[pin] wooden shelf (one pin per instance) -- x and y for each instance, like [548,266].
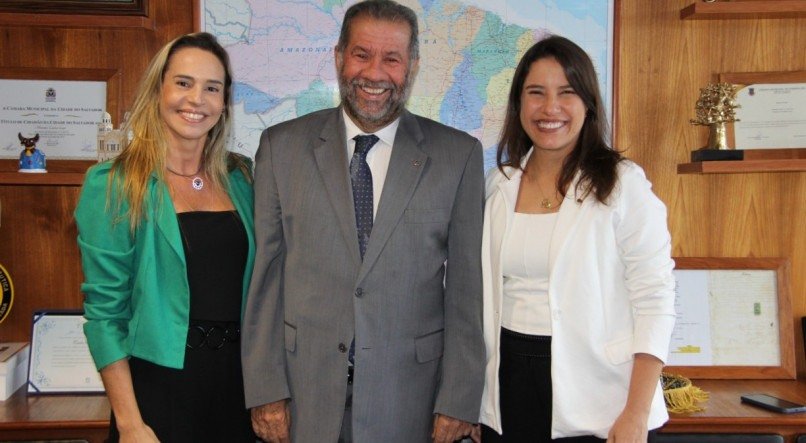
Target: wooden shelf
[745,9]
[738,166]
[747,160]
[48,179]
[60,173]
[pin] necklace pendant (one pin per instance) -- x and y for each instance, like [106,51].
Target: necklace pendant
[197,183]
[546,204]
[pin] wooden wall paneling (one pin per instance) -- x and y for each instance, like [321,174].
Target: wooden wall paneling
[743,215]
[664,61]
[37,230]
[792,242]
[38,238]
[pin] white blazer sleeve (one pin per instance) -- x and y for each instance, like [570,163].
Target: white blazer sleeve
[645,246]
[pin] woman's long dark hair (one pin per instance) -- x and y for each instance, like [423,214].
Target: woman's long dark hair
[592,155]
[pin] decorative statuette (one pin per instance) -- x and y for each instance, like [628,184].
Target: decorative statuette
[110,140]
[715,107]
[31,159]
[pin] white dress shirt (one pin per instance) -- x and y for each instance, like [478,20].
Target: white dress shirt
[377,158]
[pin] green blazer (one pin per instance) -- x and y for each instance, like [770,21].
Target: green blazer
[137,299]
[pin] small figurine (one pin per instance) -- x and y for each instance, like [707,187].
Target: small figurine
[31,159]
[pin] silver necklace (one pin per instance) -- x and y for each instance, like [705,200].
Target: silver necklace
[196,181]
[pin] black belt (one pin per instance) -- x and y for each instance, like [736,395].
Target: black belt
[213,335]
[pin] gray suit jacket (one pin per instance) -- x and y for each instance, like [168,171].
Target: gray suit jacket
[413,305]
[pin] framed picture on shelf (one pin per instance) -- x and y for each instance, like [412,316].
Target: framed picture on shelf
[770,110]
[88,7]
[734,319]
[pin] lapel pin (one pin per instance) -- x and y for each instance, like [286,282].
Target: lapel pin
[415,163]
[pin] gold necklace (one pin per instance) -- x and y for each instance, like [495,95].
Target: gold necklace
[545,203]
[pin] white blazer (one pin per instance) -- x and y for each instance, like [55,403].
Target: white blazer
[611,295]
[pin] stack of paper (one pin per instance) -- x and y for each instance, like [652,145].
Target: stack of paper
[13,368]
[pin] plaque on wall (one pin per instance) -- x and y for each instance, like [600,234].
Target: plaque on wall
[62,116]
[771,116]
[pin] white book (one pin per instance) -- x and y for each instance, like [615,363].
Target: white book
[13,367]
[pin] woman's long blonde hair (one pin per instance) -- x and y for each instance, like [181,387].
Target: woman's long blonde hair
[145,154]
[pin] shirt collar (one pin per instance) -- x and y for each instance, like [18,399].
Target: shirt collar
[386,134]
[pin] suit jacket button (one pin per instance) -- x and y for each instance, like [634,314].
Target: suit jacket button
[342,348]
[359,292]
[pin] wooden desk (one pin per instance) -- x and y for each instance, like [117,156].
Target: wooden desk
[725,413]
[42,417]
[87,416]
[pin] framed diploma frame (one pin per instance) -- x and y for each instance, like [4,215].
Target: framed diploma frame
[99,7]
[60,359]
[734,319]
[771,110]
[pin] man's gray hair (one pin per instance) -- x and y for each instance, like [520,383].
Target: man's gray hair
[388,10]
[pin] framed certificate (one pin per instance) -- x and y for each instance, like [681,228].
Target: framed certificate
[771,109]
[734,319]
[60,359]
[100,7]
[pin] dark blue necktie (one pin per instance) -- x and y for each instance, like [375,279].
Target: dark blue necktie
[361,178]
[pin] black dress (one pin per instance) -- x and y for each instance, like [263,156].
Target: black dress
[204,401]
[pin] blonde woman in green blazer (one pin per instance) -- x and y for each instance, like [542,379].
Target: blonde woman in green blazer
[165,232]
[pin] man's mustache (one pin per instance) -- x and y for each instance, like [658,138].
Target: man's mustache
[364,83]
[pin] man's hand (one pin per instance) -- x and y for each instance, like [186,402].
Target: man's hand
[272,422]
[449,429]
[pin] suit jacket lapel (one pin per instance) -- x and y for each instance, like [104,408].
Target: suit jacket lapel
[331,160]
[241,196]
[405,168]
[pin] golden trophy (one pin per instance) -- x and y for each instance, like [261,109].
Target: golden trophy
[716,107]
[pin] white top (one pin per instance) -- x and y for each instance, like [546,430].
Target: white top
[525,265]
[378,156]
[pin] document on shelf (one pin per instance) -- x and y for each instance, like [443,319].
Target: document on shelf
[60,358]
[691,338]
[725,318]
[771,116]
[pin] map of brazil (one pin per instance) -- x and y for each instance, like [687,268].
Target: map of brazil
[283,63]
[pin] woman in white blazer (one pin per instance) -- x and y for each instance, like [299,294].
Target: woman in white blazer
[578,286]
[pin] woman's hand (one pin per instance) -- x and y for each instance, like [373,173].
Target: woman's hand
[629,427]
[117,379]
[138,434]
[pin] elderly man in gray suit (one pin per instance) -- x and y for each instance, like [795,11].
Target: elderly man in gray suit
[363,321]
